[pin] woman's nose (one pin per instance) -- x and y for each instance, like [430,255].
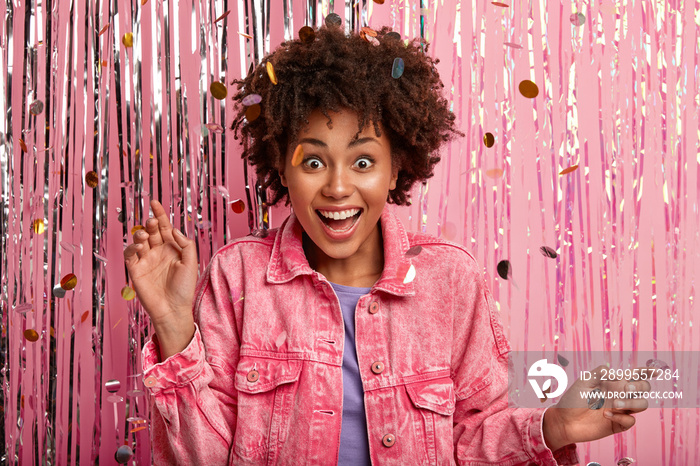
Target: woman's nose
[338,185]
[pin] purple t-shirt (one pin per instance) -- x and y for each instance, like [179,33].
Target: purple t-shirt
[354,444]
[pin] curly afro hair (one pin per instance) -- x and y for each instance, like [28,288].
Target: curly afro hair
[335,72]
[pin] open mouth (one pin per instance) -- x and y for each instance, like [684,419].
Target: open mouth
[339,221]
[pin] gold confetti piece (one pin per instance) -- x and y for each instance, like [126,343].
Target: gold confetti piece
[369,31]
[307,34]
[494,173]
[143,2]
[128,293]
[85,315]
[136,228]
[103,30]
[252,113]
[52,332]
[136,429]
[104,65]
[39,226]
[218,90]
[22,145]
[128,39]
[31,335]
[226,13]
[489,140]
[568,170]
[528,89]
[245,35]
[379,2]
[91,179]
[298,156]
[69,282]
[271,72]
[504,5]
[238,206]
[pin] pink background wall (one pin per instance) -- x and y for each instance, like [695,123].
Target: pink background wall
[618,96]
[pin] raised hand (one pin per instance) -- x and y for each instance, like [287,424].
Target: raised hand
[572,420]
[162,264]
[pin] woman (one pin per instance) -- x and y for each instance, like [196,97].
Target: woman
[339,338]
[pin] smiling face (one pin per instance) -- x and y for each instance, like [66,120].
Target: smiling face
[338,193]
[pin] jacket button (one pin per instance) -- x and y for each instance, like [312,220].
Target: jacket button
[389,440]
[253,376]
[378,367]
[374,308]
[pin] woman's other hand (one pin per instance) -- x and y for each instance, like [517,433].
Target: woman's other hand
[162,264]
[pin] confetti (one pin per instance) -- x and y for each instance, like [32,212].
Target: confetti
[136,429]
[504,5]
[393,35]
[596,402]
[489,140]
[494,172]
[23,145]
[626,461]
[23,308]
[91,179]
[205,131]
[562,360]
[369,31]
[113,386]
[379,2]
[128,39]
[218,90]
[333,20]
[103,30]
[513,45]
[214,127]
[128,293]
[238,206]
[36,107]
[136,228]
[657,364]
[406,272]
[243,34]
[504,269]
[298,156]
[39,226]
[528,89]
[150,381]
[410,275]
[136,420]
[397,68]
[548,252]
[123,454]
[577,19]
[115,399]
[593,463]
[251,99]
[271,72]
[226,13]
[568,170]
[414,251]
[58,291]
[69,281]
[134,393]
[307,34]
[143,2]
[85,315]
[31,335]
[252,113]
[371,40]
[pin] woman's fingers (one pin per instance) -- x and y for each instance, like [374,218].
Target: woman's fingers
[189,251]
[130,255]
[154,236]
[141,238]
[621,422]
[164,225]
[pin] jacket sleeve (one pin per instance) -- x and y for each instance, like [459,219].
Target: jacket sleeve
[486,430]
[193,402]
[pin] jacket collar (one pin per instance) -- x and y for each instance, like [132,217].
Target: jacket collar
[288,259]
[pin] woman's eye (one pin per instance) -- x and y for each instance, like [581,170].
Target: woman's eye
[313,163]
[364,163]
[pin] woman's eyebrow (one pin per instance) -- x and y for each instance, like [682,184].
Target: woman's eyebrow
[353,143]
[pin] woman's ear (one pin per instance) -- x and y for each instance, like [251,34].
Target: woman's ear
[283,179]
[394,177]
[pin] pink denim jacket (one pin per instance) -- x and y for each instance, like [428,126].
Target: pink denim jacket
[261,381]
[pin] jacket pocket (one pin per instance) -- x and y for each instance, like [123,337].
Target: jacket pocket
[266,389]
[434,401]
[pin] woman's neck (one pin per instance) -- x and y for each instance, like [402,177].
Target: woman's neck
[362,269]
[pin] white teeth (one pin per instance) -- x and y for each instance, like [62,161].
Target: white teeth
[342,215]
